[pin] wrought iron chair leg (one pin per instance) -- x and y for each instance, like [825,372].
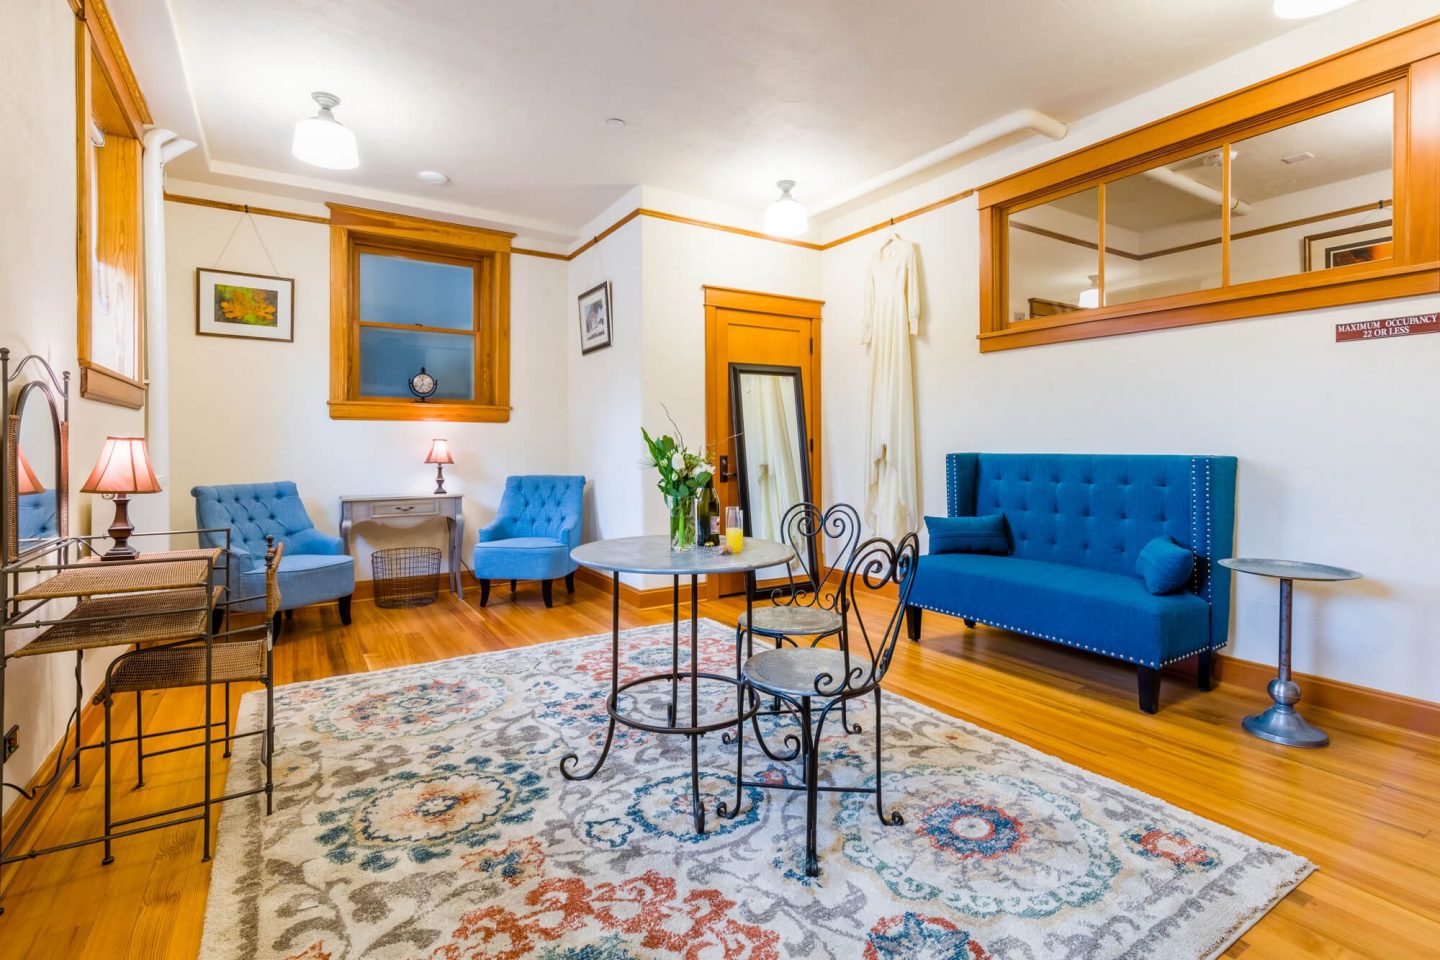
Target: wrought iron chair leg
[727,737]
[139,746]
[811,750]
[727,812]
[269,731]
[108,858]
[895,819]
[226,726]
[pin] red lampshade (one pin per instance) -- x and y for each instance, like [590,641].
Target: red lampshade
[439,452]
[123,467]
[29,483]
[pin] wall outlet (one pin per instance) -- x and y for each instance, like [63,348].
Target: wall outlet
[12,741]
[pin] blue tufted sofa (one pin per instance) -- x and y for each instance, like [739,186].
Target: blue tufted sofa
[314,568]
[1077,524]
[37,517]
[533,532]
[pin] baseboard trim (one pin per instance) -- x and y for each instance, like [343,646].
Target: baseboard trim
[1367,703]
[651,598]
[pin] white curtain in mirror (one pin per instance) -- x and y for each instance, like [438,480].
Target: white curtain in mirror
[772,450]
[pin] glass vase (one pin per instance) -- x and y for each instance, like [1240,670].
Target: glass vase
[682,523]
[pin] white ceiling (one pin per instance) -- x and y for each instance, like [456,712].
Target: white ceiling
[510,98]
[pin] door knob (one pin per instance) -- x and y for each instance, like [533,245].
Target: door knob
[724,468]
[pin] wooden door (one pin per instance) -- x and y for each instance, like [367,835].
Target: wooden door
[756,328]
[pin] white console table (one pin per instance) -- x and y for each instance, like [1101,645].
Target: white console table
[355,510]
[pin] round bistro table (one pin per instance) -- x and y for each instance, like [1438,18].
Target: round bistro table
[1282,723]
[652,555]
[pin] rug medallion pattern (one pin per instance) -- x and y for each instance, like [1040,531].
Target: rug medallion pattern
[420,813]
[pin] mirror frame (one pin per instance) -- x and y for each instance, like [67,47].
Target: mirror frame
[56,392]
[737,418]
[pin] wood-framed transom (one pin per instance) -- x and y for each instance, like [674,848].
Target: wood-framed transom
[1404,66]
[355,231]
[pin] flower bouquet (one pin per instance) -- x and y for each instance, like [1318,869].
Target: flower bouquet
[683,474]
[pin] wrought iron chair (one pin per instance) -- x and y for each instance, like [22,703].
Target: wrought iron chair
[244,654]
[815,681]
[811,605]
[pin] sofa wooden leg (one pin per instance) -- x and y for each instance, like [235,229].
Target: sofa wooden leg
[345,610]
[547,590]
[1204,670]
[912,620]
[970,624]
[484,591]
[570,582]
[289,614]
[1149,683]
[512,586]
[217,620]
[275,627]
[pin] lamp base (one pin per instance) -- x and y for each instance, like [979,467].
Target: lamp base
[439,479]
[120,530]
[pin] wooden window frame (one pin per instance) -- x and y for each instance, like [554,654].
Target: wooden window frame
[353,231]
[108,97]
[1405,64]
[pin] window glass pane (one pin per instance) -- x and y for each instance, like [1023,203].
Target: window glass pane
[1162,230]
[389,358]
[416,292]
[1335,171]
[1053,256]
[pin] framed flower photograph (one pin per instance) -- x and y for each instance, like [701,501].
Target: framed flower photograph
[595,318]
[1366,243]
[249,306]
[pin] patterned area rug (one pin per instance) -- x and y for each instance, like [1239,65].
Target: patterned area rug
[420,813]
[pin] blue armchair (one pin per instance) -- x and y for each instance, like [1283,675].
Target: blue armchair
[314,567]
[537,526]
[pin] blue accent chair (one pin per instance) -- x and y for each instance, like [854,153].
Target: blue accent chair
[314,567]
[1077,524]
[536,527]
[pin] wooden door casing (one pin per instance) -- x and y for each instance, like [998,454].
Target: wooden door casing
[743,326]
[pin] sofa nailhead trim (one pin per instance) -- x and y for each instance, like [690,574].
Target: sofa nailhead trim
[1068,643]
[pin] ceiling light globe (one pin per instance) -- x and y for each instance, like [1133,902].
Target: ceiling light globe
[323,141]
[786,217]
[1300,9]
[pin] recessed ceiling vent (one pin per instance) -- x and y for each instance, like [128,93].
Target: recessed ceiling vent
[1300,157]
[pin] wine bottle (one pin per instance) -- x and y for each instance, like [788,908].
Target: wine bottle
[707,517]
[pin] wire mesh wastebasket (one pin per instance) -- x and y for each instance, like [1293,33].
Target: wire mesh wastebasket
[406,576]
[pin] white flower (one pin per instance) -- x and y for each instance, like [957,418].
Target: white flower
[677,462]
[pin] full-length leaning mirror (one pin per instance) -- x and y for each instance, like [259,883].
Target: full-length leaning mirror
[34,431]
[768,409]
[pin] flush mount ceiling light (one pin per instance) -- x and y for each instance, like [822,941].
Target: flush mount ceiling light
[1300,9]
[434,177]
[615,122]
[786,217]
[322,140]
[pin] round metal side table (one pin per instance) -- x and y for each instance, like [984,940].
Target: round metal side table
[1282,723]
[653,555]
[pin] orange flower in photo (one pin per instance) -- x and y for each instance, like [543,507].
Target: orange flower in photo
[247,305]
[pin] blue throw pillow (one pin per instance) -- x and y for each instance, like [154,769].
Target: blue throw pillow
[988,534]
[1164,565]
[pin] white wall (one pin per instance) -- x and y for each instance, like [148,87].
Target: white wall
[248,410]
[1336,441]
[37,315]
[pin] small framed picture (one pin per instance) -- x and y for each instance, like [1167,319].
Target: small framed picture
[595,318]
[245,305]
[1351,245]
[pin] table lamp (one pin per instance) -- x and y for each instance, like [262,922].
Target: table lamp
[439,455]
[123,468]
[29,483]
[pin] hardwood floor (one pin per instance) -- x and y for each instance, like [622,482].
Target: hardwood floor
[1365,810]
